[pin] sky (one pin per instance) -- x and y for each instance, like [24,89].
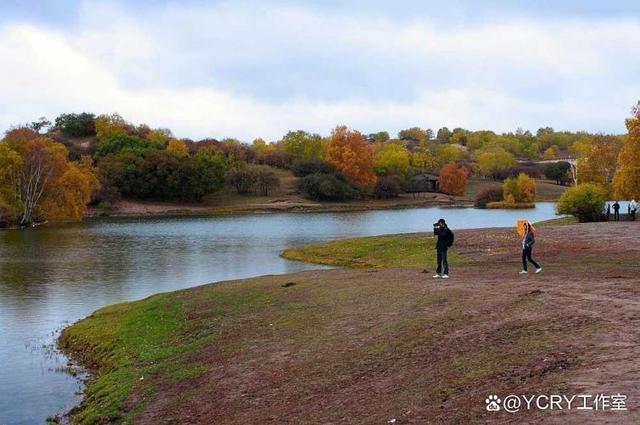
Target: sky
[248,69]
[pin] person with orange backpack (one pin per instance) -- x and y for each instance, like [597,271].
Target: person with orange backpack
[527,248]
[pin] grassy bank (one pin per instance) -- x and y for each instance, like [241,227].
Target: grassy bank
[409,250]
[368,345]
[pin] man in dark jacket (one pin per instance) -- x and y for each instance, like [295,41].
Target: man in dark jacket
[445,240]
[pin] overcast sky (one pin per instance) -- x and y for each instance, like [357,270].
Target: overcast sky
[251,69]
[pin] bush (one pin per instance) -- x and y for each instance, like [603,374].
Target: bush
[266,179]
[492,194]
[304,167]
[387,187]
[585,202]
[242,179]
[327,187]
[521,189]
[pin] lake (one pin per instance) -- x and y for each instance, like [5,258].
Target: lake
[50,277]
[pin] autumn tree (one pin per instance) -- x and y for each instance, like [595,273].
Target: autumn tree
[266,179]
[443,134]
[490,159]
[520,189]
[627,177]
[551,152]
[76,125]
[597,159]
[348,152]
[416,133]
[392,158]
[114,124]
[178,148]
[379,137]
[453,179]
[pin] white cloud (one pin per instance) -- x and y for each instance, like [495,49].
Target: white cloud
[233,70]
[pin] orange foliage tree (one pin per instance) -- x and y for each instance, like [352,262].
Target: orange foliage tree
[453,179]
[349,153]
[46,184]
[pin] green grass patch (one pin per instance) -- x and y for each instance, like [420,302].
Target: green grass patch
[388,251]
[557,221]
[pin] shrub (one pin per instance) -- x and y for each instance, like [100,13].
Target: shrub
[585,202]
[242,179]
[266,179]
[387,187]
[522,189]
[492,194]
[304,167]
[327,187]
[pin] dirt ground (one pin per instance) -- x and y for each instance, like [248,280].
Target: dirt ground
[396,346]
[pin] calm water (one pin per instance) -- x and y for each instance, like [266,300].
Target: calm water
[52,276]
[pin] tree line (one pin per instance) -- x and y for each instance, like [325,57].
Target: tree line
[53,170]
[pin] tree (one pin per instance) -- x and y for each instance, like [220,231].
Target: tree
[388,187]
[584,201]
[67,197]
[10,168]
[302,144]
[551,152]
[40,124]
[115,143]
[445,154]
[392,159]
[327,187]
[453,179]
[558,171]
[76,125]
[415,133]
[379,137]
[304,167]
[266,179]
[597,159]
[490,159]
[627,177]
[348,152]
[178,148]
[491,194]
[107,125]
[443,134]
[425,160]
[520,189]
[242,179]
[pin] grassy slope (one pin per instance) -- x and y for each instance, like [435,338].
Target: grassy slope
[412,250]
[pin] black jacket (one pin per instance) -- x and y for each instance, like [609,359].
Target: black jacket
[529,240]
[444,237]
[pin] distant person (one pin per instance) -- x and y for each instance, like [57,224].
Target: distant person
[608,211]
[633,207]
[445,240]
[527,249]
[616,211]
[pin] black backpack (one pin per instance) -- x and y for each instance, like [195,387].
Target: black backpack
[451,237]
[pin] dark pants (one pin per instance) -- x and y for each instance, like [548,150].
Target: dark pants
[633,215]
[616,215]
[443,264]
[526,256]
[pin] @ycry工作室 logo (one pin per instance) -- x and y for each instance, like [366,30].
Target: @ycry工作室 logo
[493,403]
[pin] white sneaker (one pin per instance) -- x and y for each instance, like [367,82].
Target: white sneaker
[445,276]
[524,272]
[436,276]
[539,270]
